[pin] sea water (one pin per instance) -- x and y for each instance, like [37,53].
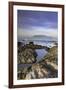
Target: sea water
[40,52]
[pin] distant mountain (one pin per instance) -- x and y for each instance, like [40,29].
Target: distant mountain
[44,37]
[41,36]
[38,37]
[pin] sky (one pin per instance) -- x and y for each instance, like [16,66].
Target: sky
[30,23]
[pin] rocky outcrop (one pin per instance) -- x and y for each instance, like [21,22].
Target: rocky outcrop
[27,56]
[46,68]
[52,56]
[37,71]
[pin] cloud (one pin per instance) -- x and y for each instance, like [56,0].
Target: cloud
[37,18]
[50,24]
[37,31]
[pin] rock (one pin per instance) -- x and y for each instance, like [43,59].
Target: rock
[27,56]
[52,55]
[37,72]
[46,68]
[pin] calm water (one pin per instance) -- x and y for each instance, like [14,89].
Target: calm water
[40,52]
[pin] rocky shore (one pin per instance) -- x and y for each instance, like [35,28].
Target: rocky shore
[46,68]
[27,56]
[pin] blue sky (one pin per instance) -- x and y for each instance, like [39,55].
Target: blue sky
[32,23]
